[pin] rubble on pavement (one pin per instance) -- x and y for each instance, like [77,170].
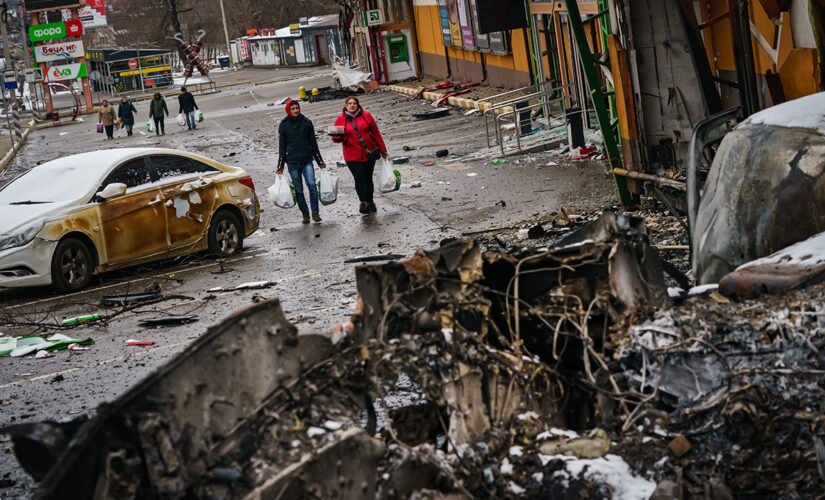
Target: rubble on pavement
[558,369]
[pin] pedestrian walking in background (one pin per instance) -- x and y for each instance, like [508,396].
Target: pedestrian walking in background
[106,116]
[188,107]
[363,145]
[157,109]
[126,111]
[297,148]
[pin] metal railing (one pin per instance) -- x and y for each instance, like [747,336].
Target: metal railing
[545,96]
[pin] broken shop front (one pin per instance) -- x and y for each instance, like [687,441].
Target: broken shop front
[118,71]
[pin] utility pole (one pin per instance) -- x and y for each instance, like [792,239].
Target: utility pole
[226,32]
[7,53]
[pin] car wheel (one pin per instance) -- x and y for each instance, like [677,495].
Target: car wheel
[225,234]
[72,266]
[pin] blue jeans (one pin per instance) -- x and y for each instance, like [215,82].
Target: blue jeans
[190,120]
[308,172]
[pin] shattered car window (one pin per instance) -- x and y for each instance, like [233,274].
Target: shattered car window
[132,173]
[168,166]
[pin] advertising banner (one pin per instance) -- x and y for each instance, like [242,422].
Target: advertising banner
[467,38]
[445,22]
[59,51]
[52,31]
[92,15]
[455,22]
[66,72]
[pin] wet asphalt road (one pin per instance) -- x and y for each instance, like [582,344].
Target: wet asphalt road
[306,261]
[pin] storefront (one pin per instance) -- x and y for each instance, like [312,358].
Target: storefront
[119,71]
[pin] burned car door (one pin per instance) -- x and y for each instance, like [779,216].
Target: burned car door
[188,190]
[133,225]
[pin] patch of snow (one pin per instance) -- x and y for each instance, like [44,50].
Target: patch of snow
[315,431]
[610,470]
[538,477]
[332,425]
[557,432]
[516,451]
[810,252]
[295,443]
[703,289]
[488,476]
[515,489]
[528,414]
[806,112]
[506,467]
[675,291]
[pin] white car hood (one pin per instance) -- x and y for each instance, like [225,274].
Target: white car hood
[15,217]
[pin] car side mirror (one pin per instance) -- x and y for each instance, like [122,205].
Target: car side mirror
[113,190]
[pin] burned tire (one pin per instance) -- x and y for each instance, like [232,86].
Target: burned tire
[225,234]
[72,266]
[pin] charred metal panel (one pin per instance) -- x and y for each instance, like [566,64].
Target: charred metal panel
[189,207]
[134,226]
[765,191]
[667,89]
[154,440]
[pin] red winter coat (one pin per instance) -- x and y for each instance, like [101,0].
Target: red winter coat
[353,151]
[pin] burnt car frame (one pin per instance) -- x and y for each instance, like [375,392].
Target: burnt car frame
[80,215]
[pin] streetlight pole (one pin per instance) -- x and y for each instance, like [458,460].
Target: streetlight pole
[226,32]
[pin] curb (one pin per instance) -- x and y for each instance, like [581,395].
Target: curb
[458,102]
[9,156]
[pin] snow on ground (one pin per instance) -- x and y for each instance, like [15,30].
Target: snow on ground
[610,470]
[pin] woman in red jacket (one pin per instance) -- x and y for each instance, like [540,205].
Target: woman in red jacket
[363,145]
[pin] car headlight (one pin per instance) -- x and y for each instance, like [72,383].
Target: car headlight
[21,236]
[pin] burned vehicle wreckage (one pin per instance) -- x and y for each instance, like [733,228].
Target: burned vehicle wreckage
[554,373]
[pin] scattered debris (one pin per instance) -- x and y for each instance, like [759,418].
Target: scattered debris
[429,115]
[374,258]
[499,161]
[17,347]
[80,319]
[255,285]
[168,321]
[130,300]
[428,163]
[415,184]
[400,160]
[139,342]
[442,153]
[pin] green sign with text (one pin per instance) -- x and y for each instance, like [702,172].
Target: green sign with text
[51,31]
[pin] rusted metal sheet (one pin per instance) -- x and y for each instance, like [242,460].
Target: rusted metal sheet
[798,265]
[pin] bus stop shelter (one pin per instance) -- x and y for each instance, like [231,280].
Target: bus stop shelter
[116,71]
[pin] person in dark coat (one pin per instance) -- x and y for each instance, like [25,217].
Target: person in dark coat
[126,111]
[188,107]
[157,110]
[297,148]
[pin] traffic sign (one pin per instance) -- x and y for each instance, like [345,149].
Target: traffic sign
[9,79]
[33,75]
[133,64]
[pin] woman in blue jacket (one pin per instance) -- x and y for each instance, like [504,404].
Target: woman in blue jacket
[297,148]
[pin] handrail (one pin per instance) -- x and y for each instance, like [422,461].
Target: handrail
[536,85]
[516,112]
[544,97]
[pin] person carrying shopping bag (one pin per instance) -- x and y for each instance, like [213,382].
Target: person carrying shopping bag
[126,111]
[106,116]
[297,148]
[157,109]
[363,146]
[187,107]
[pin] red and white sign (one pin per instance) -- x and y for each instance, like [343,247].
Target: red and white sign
[92,15]
[133,64]
[59,51]
[74,28]
[244,49]
[267,31]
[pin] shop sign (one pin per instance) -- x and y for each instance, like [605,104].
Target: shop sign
[52,31]
[59,51]
[66,72]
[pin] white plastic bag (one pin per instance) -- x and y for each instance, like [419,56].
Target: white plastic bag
[181,120]
[388,180]
[280,192]
[329,188]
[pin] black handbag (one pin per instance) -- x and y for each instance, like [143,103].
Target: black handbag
[372,154]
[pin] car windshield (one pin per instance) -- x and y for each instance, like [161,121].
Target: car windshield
[39,185]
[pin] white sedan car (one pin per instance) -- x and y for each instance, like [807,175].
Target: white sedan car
[65,220]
